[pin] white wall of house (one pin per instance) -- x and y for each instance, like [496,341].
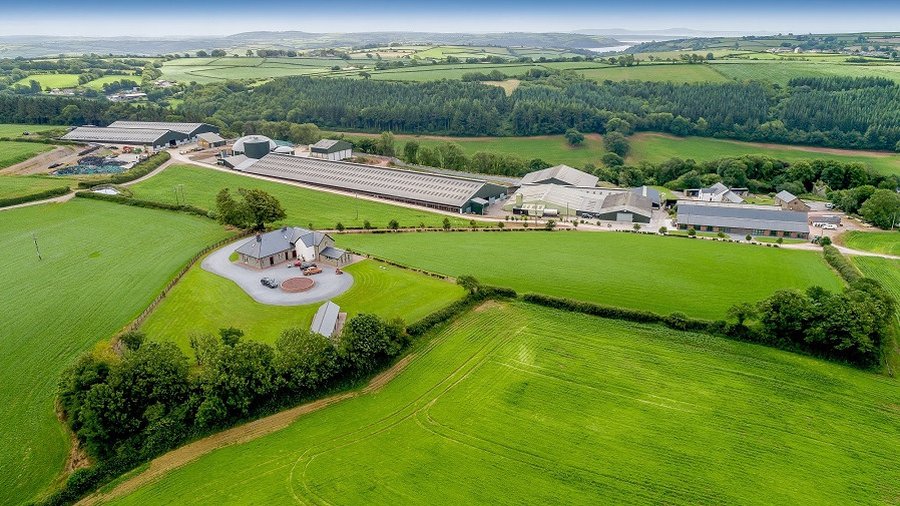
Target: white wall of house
[307,253]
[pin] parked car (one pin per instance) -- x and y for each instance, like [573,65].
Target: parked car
[269,282]
[304,265]
[312,271]
[829,226]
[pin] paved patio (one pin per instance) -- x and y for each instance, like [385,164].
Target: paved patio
[328,284]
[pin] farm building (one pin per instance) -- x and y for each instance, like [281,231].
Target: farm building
[132,136]
[742,219]
[651,193]
[328,320]
[331,149]
[561,175]
[717,193]
[612,204]
[192,130]
[290,243]
[254,146]
[435,191]
[788,200]
[210,140]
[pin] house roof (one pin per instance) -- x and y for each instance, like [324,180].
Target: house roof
[278,241]
[628,201]
[185,128]
[117,135]
[330,146]
[389,182]
[333,253]
[562,173]
[210,137]
[785,196]
[325,319]
[745,216]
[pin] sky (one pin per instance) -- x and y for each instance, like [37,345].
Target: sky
[166,18]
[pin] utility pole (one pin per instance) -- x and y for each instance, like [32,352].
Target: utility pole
[38,250]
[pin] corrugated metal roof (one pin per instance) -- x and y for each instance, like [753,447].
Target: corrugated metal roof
[630,201]
[210,137]
[185,128]
[651,193]
[785,196]
[113,134]
[333,253]
[395,183]
[330,146]
[752,217]
[564,173]
[326,319]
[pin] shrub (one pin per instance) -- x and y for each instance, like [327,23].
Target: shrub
[663,230]
[839,263]
[367,225]
[692,232]
[394,225]
[339,227]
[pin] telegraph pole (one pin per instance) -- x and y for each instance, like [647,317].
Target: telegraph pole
[36,249]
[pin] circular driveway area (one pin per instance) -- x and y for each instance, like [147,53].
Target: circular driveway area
[328,284]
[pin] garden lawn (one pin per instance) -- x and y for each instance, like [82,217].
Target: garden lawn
[304,207]
[887,243]
[12,153]
[203,302]
[102,265]
[19,186]
[660,274]
[516,404]
[655,148]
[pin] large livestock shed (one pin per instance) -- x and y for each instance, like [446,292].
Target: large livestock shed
[561,175]
[140,133]
[454,194]
[742,219]
[613,204]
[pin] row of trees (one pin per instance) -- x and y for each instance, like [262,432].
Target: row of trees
[151,394]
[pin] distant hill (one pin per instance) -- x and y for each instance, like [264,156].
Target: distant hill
[35,46]
[663,34]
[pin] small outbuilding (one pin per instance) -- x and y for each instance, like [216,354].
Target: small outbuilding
[331,149]
[788,200]
[328,320]
[208,140]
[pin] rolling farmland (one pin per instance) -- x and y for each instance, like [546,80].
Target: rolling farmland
[102,264]
[660,274]
[203,302]
[19,186]
[513,404]
[303,206]
[16,130]
[655,148]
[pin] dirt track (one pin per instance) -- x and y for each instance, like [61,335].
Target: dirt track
[40,164]
[161,466]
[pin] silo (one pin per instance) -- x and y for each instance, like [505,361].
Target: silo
[256,147]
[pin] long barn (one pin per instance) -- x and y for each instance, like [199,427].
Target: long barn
[436,191]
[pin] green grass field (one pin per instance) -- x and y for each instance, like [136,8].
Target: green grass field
[97,84]
[16,130]
[781,72]
[878,242]
[51,80]
[19,186]
[888,273]
[102,264]
[12,153]
[661,274]
[514,404]
[303,206]
[550,148]
[664,72]
[203,302]
[655,148]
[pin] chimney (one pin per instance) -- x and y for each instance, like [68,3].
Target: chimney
[258,238]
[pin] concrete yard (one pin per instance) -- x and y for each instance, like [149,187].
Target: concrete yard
[328,284]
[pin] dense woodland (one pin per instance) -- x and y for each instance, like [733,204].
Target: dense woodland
[837,111]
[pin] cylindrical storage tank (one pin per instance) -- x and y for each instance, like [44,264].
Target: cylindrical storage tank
[256,148]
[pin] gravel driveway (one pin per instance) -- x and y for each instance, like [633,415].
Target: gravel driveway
[328,284]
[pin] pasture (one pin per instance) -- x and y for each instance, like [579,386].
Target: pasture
[12,153]
[780,72]
[19,186]
[203,302]
[660,274]
[655,148]
[304,207]
[887,243]
[515,404]
[553,149]
[51,80]
[16,130]
[676,73]
[102,264]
